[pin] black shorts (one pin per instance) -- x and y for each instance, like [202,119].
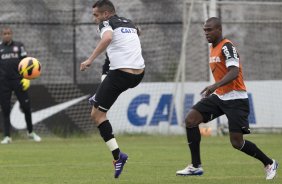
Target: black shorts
[236,111]
[112,86]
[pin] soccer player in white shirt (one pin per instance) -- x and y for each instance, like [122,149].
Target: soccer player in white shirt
[119,38]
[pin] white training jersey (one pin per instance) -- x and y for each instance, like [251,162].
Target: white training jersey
[125,49]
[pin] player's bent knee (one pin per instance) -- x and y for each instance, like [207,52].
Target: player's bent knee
[98,116]
[188,122]
[94,117]
[236,140]
[236,144]
[193,118]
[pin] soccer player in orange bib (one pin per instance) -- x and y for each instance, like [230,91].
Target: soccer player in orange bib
[227,96]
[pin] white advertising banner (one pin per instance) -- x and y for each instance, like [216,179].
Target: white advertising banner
[147,108]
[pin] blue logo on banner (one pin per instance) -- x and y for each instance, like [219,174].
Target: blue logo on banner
[132,115]
[162,110]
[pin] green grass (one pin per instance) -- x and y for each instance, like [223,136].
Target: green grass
[152,159]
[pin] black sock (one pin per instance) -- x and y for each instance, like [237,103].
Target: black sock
[106,132]
[194,139]
[251,149]
[7,125]
[28,121]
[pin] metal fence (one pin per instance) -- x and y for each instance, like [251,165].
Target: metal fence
[61,34]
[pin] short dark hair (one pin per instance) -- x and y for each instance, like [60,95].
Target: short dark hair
[105,5]
[215,20]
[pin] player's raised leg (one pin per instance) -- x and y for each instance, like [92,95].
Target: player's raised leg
[106,132]
[126,70]
[251,149]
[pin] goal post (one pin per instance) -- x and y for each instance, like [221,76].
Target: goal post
[180,77]
[191,25]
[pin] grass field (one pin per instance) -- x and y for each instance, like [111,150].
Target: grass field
[152,159]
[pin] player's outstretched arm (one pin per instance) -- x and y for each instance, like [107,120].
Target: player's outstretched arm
[101,47]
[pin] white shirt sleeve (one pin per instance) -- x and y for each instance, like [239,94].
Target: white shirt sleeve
[105,26]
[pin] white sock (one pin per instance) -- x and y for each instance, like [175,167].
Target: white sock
[112,144]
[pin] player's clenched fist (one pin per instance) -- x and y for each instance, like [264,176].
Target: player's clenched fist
[84,65]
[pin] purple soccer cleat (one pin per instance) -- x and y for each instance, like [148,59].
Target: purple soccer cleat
[118,164]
